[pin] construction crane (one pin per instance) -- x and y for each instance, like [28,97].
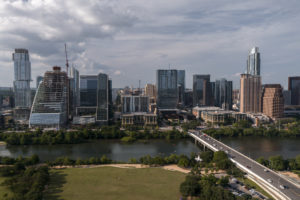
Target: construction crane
[67,61]
[68,84]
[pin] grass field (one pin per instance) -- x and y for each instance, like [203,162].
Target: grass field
[111,183]
[3,190]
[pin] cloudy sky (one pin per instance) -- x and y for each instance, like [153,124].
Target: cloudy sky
[130,39]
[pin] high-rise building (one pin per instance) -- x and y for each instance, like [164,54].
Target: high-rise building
[22,68]
[22,78]
[135,103]
[88,90]
[150,90]
[202,92]
[181,86]
[223,94]
[294,88]
[250,93]
[167,89]
[273,101]
[74,86]
[103,99]
[253,62]
[50,105]
[287,97]
[38,80]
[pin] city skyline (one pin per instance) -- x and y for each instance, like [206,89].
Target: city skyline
[138,38]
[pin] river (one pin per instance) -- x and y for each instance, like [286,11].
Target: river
[116,150]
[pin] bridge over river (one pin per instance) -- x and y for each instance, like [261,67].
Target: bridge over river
[275,184]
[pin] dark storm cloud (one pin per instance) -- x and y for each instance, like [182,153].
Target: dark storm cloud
[130,39]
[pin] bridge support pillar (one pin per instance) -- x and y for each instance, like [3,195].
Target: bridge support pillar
[203,147]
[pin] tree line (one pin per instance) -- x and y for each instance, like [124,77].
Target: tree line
[280,164]
[24,183]
[80,136]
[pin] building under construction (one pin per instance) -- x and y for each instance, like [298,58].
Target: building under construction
[50,105]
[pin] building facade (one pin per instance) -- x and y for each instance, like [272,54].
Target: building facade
[253,62]
[134,103]
[103,99]
[273,101]
[150,91]
[88,90]
[50,105]
[181,86]
[250,93]
[294,88]
[38,80]
[22,69]
[202,92]
[167,89]
[223,94]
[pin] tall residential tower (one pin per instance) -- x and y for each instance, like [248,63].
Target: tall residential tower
[253,62]
[22,76]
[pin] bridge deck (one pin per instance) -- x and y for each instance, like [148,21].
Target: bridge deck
[265,176]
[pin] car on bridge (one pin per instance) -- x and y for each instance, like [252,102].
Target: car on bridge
[269,180]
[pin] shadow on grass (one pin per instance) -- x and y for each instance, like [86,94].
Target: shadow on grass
[57,180]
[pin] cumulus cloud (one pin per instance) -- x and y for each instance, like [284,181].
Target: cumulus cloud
[136,37]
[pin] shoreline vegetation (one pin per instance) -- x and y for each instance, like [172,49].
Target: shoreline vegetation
[84,135]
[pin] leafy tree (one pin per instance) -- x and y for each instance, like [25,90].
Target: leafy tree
[190,187]
[277,163]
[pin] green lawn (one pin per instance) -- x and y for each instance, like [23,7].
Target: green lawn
[3,190]
[114,183]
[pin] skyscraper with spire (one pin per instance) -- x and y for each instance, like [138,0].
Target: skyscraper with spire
[253,62]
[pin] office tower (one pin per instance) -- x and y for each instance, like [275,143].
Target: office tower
[202,92]
[188,98]
[294,88]
[181,86]
[273,101]
[134,103]
[250,93]
[50,105]
[223,94]
[103,98]
[38,80]
[150,90]
[287,97]
[167,89]
[22,68]
[22,78]
[88,90]
[253,62]
[74,86]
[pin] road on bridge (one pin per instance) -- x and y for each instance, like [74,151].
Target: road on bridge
[290,190]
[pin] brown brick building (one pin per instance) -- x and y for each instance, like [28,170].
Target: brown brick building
[273,101]
[250,93]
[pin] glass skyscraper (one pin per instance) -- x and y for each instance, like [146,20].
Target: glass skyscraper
[181,85]
[88,90]
[202,92]
[223,94]
[253,62]
[294,88]
[103,98]
[22,69]
[167,89]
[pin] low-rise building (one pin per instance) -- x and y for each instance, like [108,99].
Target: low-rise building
[198,110]
[221,116]
[144,119]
